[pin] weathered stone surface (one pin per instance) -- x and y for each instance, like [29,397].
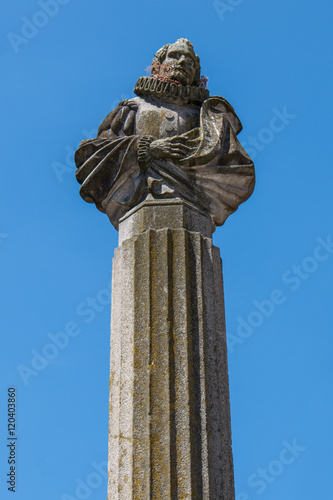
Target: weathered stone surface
[170,434]
[150,214]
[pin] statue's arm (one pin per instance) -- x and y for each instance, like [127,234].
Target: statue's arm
[119,124]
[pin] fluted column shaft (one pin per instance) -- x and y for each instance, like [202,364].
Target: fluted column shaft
[170,434]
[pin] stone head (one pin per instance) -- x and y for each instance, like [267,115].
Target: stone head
[177,62]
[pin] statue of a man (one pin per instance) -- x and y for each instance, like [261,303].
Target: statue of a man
[172,141]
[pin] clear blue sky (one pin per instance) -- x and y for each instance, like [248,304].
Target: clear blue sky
[272,61]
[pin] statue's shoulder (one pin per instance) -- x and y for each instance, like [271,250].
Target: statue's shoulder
[119,113]
[223,106]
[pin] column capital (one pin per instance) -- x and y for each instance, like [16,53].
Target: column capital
[161,214]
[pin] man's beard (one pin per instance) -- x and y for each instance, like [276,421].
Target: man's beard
[180,75]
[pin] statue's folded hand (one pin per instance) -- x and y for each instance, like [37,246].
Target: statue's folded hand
[175,148]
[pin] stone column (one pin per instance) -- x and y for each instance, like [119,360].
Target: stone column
[170,435]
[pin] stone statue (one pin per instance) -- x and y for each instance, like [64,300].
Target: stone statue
[172,141]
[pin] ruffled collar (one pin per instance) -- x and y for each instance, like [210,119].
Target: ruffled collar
[149,86]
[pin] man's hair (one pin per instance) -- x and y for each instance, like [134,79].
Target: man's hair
[161,54]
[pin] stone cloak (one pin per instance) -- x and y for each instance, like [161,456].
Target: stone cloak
[217,177]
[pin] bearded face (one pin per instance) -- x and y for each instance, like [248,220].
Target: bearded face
[179,64]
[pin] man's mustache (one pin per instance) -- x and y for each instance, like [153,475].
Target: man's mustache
[180,68]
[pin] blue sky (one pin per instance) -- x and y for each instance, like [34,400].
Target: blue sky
[66,65]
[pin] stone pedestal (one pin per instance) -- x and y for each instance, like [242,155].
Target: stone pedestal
[170,434]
